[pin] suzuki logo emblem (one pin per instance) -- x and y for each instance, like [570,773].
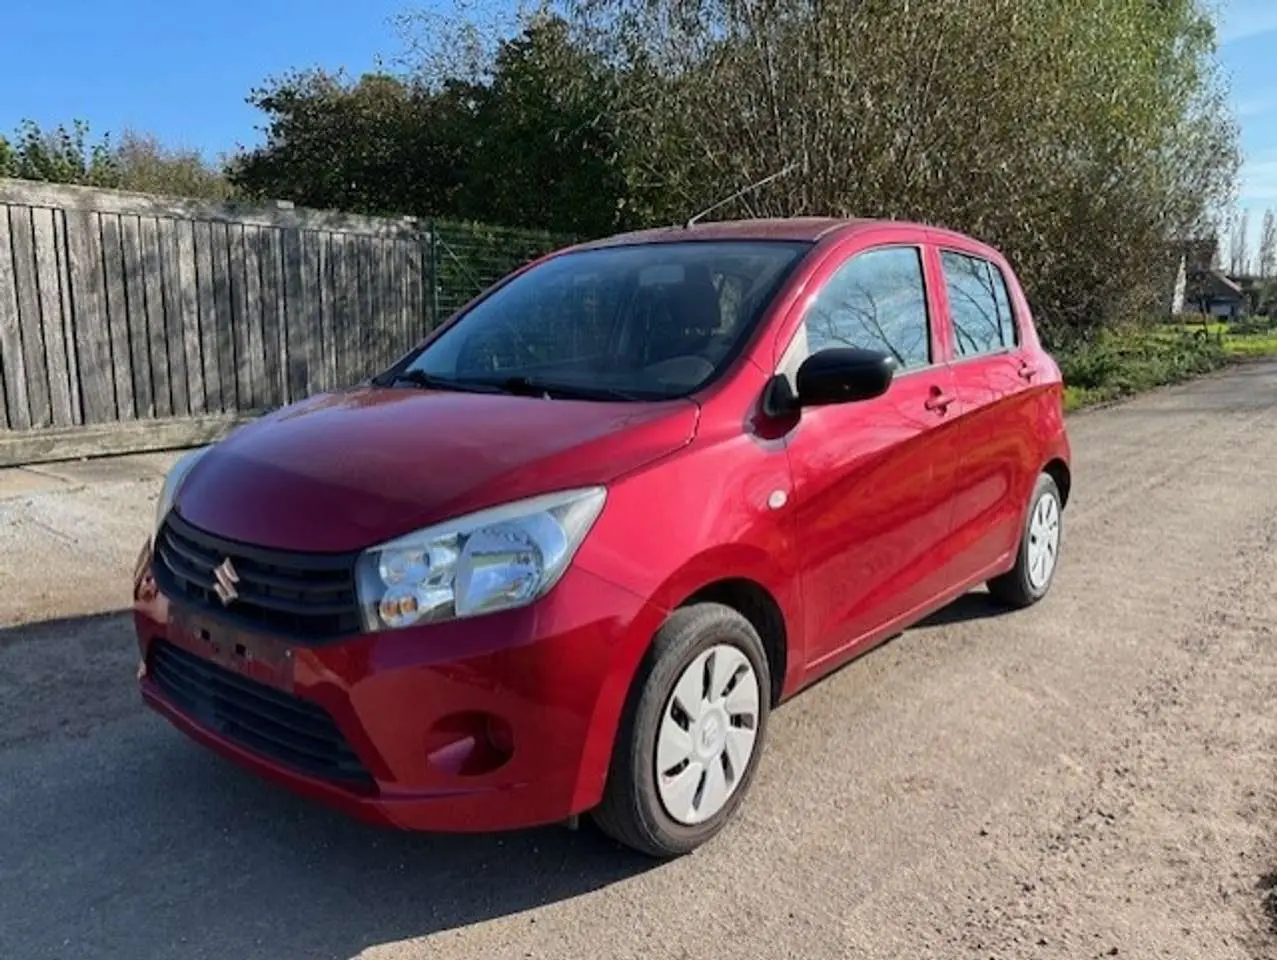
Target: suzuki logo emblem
[226,578]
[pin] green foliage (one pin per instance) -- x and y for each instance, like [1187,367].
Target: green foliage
[138,162]
[60,155]
[533,144]
[1133,358]
[1080,137]
[146,165]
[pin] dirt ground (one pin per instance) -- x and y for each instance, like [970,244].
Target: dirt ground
[1090,778]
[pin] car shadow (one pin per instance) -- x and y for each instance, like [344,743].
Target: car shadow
[123,838]
[976,605]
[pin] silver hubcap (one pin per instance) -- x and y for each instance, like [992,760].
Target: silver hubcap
[707,734]
[1044,540]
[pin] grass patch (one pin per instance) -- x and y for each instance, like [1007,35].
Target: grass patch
[1125,361]
[1254,337]
[1128,360]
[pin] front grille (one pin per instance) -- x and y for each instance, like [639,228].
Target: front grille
[297,733]
[305,596]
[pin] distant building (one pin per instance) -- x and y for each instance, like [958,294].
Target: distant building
[1211,292]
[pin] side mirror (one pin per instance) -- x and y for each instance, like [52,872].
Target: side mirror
[844,375]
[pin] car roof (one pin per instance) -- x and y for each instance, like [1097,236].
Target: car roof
[805,229]
[814,230]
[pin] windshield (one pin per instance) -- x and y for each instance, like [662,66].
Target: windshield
[643,322]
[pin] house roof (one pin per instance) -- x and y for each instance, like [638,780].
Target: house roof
[1218,285]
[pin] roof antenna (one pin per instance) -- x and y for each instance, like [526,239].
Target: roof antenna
[691,221]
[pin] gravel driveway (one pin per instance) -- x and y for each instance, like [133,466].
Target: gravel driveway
[1090,778]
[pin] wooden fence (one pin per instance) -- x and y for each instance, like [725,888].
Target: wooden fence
[131,322]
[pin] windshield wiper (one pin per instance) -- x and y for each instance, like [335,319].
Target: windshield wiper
[532,387]
[429,381]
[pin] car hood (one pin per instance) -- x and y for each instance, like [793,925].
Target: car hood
[347,470]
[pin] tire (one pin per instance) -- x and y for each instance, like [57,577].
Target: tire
[703,642]
[1029,580]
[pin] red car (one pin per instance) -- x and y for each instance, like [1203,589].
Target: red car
[568,553]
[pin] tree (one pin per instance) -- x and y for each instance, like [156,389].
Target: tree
[527,140]
[379,144]
[1239,246]
[547,144]
[1092,139]
[1268,246]
[61,155]
[138,162]
[146,165]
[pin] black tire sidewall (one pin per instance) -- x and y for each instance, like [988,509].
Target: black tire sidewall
[687,634]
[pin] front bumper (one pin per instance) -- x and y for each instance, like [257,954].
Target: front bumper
[491,723]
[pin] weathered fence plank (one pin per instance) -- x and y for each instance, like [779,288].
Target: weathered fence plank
[13,370]
[118,308]
[174,323]
[51,319]
[155,332]
[119,246]
[28,286]
[255,341]
[297,348]
[202,235]
[188,289]
[345,302]
[150,376]
[224,325]
[240,323]
[92,334]
[324,307]
[67,309]
[272,317]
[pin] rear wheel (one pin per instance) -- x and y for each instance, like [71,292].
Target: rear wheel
[692,734]
[1030,579]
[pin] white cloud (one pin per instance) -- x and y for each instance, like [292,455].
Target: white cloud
[1244,19]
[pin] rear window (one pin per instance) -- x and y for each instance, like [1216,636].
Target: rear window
[979,305]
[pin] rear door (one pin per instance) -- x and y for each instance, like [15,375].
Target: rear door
[873,480]
[993,376]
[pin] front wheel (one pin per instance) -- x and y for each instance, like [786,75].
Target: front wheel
[692,734]
[1029,580]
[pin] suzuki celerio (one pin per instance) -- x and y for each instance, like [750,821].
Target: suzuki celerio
[568,552]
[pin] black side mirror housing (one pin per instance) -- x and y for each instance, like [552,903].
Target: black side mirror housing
[844,375]
[834,375]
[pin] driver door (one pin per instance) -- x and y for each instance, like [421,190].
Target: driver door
[873,480]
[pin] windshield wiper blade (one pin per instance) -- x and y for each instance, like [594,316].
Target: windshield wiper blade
[429,381]
[531,387]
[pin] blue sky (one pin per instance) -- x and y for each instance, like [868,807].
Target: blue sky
[181,70]
[175,68]
[1248,35]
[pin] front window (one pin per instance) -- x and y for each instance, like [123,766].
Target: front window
[643,322]
[876,301]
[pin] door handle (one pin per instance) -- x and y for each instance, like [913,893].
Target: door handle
[1028,370]
[939,400]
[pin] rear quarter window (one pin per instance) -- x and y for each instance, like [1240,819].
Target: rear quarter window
[979,305]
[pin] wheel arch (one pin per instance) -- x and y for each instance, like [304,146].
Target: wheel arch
[756,604]
[1058,470]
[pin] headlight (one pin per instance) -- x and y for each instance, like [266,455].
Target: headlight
[496,559]
[173,482]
